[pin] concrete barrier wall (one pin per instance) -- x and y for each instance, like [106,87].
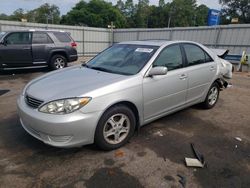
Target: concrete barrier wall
[236,38]
[91,40]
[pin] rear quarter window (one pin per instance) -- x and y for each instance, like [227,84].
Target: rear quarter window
[62,37]
[41,38]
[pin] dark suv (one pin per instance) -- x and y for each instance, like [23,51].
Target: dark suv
[26,49]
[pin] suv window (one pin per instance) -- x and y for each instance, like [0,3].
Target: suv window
[196,55]
[62,37]
[19,38]
[41,38]
[170,57]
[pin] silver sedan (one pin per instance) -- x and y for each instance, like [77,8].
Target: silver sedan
[126,86]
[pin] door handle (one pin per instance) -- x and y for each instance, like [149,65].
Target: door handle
[212,68]
[28,48]
[183,76]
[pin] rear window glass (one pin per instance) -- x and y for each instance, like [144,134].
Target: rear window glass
[62,37]
[195,55]
[41,38]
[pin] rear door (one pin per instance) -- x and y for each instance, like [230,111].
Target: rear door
[201,70]
[164,93]
[41,44]
[17,50]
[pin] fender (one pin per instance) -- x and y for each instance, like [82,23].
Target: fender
[57,51]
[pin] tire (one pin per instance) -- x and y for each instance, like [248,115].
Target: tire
[58,62]
[212,96]
[115,128]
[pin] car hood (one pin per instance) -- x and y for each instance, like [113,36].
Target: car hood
[71,82]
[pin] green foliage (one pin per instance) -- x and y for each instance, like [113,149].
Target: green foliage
[126,14]
[44,14]
[4,17]
[17,15]
[96,13]
[235,9]
[201,14]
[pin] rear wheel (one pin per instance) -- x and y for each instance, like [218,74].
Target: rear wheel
[212,96]
[58,62]
[115,128]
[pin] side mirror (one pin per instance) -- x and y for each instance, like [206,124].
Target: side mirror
[3,42]
[158,71]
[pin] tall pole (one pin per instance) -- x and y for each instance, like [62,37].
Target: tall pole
[112,26]
[169,20]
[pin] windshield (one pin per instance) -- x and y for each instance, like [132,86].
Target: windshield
[126,59]
[2,34]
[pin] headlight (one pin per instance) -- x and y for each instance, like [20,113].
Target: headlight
[64,106]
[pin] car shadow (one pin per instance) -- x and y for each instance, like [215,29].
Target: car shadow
[24,71]
[14,138]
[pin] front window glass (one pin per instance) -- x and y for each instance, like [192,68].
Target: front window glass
[19,38]
[170,57]
[126,59]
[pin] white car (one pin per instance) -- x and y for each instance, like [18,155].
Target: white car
[126,86]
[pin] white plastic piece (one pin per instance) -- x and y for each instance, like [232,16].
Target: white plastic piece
[238,138]
[193,162]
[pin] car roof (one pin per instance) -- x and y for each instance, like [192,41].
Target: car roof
[35,30]
[155,42]
[147,42]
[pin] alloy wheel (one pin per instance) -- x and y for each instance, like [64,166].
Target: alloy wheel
[59,63]
[213,95]
[116,128]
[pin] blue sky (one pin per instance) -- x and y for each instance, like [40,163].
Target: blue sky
[8,6]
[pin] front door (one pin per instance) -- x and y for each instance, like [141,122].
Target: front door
[164,93]
[17,52]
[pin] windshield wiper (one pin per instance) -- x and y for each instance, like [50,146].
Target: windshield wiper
[101,69]
[96,68]
[85,65]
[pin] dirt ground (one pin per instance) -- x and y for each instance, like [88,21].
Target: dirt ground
[152,159]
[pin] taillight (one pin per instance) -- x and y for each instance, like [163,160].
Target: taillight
[73,44]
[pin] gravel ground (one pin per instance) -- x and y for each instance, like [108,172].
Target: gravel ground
[153,158]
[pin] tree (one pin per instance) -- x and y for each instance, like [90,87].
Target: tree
[158,16]
[161,3]
[4,17]
[95,13]
[182,13]
[201,14]
[236,9]
[17,15]
[45,14]
[129,13]
[142,12]
[121,6]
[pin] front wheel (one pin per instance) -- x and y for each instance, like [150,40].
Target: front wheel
[115,128]
[58,62]
[212,96]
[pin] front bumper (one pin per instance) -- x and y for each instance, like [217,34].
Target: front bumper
[70,130]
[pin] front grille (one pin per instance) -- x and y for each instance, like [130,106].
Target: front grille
[32,102]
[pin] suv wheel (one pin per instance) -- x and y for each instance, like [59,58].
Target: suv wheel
[212,96]
[58,62]
[115,128]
